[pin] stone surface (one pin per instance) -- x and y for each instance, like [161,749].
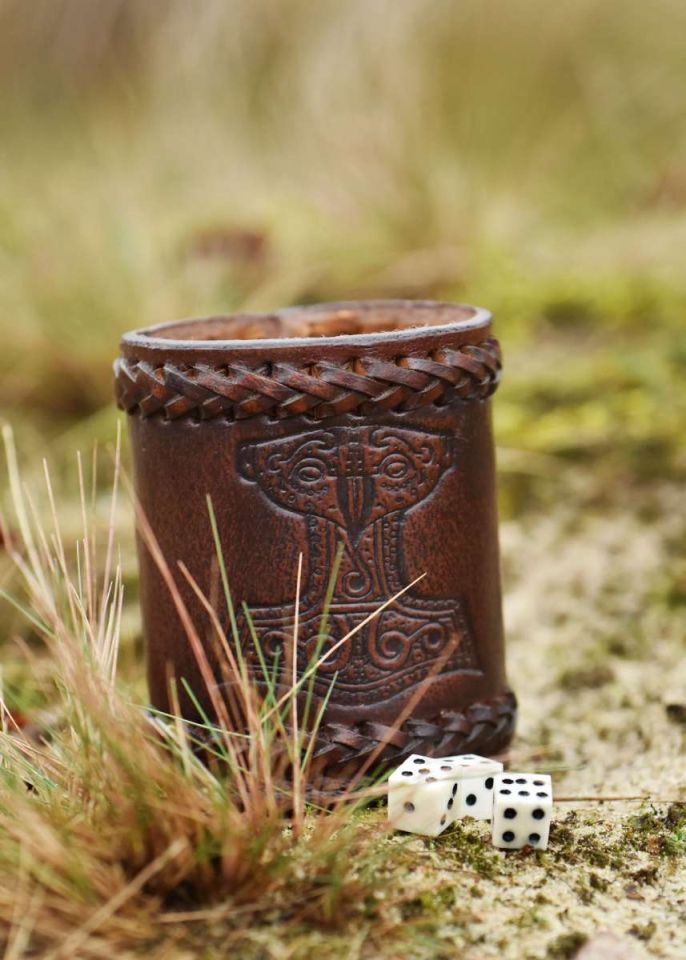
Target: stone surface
[608,946]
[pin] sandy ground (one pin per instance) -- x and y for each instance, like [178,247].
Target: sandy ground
[595,615]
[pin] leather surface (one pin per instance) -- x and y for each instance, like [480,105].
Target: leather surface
[361,428]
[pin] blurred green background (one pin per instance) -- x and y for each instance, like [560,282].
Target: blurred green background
[167,158]
[163,158]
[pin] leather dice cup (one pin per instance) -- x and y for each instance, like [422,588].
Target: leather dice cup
[359,430]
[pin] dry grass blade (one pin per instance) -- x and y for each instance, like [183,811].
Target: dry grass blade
[292,655]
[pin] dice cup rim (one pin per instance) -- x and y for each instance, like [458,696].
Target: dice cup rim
[461,320]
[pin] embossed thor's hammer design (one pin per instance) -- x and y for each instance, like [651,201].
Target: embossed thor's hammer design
[353,486]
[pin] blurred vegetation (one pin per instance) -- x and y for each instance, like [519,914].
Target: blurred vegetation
[163,159]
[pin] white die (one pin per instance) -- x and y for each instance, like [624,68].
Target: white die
[522,810]
[422,794]
[477,776]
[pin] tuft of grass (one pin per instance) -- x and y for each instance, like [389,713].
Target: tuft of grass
[116,819]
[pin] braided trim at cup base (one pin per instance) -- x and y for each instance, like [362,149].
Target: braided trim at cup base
[484,727]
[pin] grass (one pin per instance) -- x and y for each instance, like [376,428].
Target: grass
[159,161]
[96,838]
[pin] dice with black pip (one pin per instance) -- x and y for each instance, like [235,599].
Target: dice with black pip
[522,810]
[422,795]
[426,794]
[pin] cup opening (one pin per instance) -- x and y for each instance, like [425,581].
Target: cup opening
[323,320]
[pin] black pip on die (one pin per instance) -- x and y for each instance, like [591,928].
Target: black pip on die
[522,810]
[422,795]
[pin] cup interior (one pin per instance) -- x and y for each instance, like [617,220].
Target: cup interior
[325,320]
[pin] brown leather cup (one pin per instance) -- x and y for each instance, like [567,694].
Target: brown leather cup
[362,427]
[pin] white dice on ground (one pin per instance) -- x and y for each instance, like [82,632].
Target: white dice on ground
[422,794]
[522,810]
[477,777]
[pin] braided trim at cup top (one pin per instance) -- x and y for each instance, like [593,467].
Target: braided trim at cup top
[320,390]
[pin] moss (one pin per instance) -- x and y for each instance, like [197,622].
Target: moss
[593,846]
[661,835]
[643,931]
[587,678]
[464,846]
[590,884]
[676,712]
[584,890]
[596,882]
[530,919]
[645,874]
[566,946]
[675,818]
[429,904]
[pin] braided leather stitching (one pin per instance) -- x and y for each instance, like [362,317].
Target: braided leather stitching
[484,727]
[318,390]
